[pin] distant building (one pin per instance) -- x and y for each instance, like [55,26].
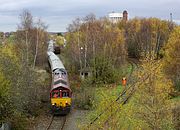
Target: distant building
[85,73]
[116,17]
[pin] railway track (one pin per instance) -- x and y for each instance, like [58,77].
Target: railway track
[129,91]
[133,66]
[57,123]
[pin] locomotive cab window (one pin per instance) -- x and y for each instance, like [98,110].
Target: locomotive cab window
[56,73]
[65,94]
[63,72]
[56,94]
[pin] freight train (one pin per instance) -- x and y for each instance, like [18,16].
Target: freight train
[60,93]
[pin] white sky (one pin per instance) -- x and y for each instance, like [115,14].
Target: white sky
[59,13]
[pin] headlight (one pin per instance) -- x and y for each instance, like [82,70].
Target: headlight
[53,104]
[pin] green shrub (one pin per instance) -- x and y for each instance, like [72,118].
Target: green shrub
[84,95]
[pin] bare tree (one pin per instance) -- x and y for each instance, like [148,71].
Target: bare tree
[31,38]
[26,19]
[100,42]
[40,30]
[23,33]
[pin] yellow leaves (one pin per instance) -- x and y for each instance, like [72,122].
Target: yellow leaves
[175,36]
[172,56]
[157,77]
[8,50]
[60,40]
[146,35]
[4,86]
[8,59]
[134,25]
[152,96]
[173,45]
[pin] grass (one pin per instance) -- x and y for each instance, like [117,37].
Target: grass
[106,94]
[116,91]
[176,98]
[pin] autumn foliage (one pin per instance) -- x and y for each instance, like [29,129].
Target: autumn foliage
[172,57]
[96,44]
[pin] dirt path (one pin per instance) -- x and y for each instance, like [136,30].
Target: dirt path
[72,120]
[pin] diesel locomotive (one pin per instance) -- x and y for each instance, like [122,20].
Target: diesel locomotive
[60,93]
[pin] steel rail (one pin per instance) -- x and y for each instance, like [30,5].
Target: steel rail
[123,92]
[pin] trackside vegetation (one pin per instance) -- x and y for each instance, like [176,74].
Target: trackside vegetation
[105,48]
[101,51]
[20,92]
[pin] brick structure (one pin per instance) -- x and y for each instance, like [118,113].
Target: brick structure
[125,15]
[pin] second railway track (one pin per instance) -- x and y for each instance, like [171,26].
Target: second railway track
[130,90]
[134,65]
[57,123]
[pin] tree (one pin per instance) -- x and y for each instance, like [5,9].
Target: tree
[146,36]
[60,40]
[172,57]
[5,101]
[25,26]
[26,19]
[94,41]
[152,101]
[41,36]
[30,40]
[20,88]
[148,108]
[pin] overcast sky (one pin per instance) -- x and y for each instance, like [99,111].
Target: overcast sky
[59,13]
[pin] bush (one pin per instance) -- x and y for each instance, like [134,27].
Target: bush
[104,71]
[84,96]
[19,121]
[177,84]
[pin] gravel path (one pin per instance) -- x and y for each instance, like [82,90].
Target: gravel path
[72,120]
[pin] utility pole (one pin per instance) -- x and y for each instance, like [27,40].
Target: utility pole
[171,21]
[171,18]
[80,62]
[37,42]
[27,55]
[85,48]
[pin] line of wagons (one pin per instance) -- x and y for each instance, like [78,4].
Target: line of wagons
[60,93]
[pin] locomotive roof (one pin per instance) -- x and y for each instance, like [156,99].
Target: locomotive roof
[60,85]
